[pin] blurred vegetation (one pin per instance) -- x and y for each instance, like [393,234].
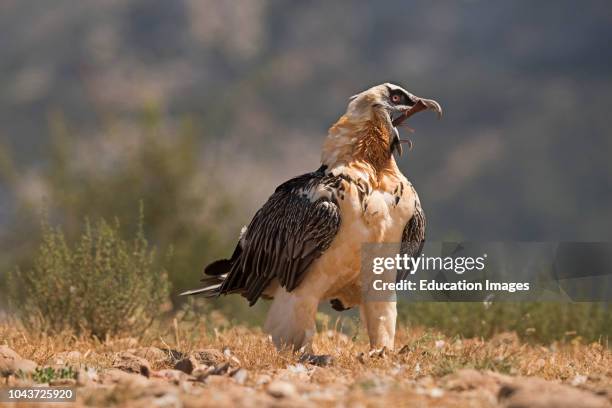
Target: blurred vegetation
[108,176]
[44,375]
[162,166]
[102,284]
[535,321]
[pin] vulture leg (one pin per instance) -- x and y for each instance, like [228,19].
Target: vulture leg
[291,323]
[291,320]
[379,319]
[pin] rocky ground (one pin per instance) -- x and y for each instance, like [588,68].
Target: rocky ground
[240,367]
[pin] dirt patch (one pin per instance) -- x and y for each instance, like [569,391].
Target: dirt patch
[240,367]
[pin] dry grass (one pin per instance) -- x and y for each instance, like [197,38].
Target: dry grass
[420,352]
[418,372]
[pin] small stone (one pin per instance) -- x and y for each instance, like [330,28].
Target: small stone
[63,382]
[209,356]
[66,357]
[579,380]
[168,400]
[240,376]
[470,379]
[436,392]
[298,368]
[86,376]
[132,364]
[25,366]
[127,379]
[263,379]
[153,354]
[11,362]
[173,376]
[201,372]
[537,392]
[281,389]
[186,365]
[220,369]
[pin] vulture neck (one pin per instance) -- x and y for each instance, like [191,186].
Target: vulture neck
[360,143]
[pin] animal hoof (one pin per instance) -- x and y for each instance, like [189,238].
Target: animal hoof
[321,360]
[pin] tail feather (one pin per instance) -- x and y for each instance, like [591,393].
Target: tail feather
[217,268]
[210,290]
[214,276]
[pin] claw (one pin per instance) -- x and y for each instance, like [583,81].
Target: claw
[373,353]
[379,353]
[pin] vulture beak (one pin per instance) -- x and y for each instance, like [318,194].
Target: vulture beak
[421,104]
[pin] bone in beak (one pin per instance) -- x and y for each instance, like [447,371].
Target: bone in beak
[420,105]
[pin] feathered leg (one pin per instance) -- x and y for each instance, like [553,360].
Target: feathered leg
[291,320]
[379,319]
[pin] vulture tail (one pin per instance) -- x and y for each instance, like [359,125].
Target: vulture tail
[214,276]
[217,268]
[210,289]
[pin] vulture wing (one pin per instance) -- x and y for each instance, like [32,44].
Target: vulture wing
[292,229]
[413,238]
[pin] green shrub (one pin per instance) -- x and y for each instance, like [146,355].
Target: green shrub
[163,163]
[102,284]
[44,375]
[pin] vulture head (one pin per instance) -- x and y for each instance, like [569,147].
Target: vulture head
[393,104]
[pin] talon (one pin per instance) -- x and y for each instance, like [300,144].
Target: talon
[378,353]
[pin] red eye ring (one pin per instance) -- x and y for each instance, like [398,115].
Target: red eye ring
[395,98]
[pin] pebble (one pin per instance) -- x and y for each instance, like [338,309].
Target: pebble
[281,389]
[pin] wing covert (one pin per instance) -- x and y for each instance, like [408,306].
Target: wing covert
[413,237]
[292,229]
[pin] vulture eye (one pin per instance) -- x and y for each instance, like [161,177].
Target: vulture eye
[396,98]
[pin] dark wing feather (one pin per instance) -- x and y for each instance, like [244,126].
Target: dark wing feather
[285,237]
[413,238]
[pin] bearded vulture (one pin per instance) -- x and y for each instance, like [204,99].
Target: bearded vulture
[303,246]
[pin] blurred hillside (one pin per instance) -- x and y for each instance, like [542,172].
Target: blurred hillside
[521,154]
